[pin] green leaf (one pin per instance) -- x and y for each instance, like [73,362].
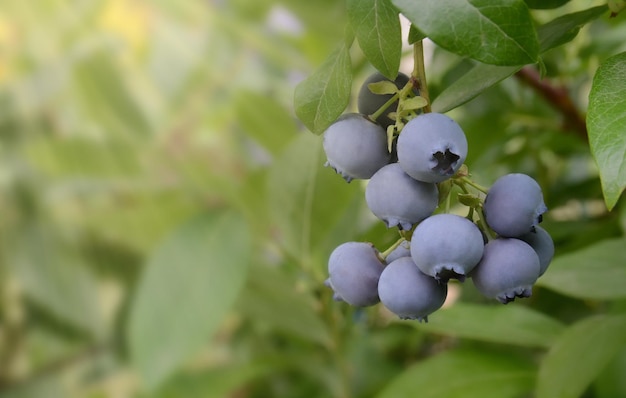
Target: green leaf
[414,103]
[377,28]
[596,272]
[322,97]
[415,34]
[494,32]
[307,202]
[383,87]
[190,283]
[606,122]
[463,374]
[579,355]
[516,325]
[565,28]
[470,85]
[55,276]
[270,298]
[265,120]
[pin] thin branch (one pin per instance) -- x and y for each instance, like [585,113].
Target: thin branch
[558,98]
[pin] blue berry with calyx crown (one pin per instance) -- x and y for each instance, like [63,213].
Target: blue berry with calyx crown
[354,269]
[399,200]
[508,269]
[355,147]
[446,246]
[432,147]
[407,292]
[514,205]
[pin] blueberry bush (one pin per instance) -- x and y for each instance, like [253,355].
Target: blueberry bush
[356,198]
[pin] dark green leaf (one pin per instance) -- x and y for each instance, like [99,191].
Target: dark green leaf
[265,120]
[516,325]
[377,28]
[190,283]
[545,4]
[415,34]
[470,85]
[579,356]
[596,272]
[494,32]
[322,97]
[606,122]
[463,374]
[564,28]
[270,299]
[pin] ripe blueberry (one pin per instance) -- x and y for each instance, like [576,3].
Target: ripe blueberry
[514,205]
[508,269]
[446,246]
[409,293]
[354,269]
[398,199]
[432,147]
[541,241]
[355,147]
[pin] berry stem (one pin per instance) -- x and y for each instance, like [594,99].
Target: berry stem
[483,223]
[419,73]
[383,255]
[471,183]
[384,107]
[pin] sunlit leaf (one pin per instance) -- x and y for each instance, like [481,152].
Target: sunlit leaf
[190,283]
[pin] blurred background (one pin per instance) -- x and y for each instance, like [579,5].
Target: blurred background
[165,220]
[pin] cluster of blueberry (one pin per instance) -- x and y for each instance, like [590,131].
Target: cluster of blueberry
[499,245]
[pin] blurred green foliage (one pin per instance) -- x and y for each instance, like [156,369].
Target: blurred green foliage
[165,219]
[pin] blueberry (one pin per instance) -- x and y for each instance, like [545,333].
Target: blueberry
[432,147]
[446,246]
[368,102]
[508,269]
[409,293]
[403,250]
[514,205]
[354,269]
[355,147]
[398,199]
[541,241]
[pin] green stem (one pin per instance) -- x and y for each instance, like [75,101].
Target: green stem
[419,73]
[391,248]
[483,223]
[385,106]
[471,183]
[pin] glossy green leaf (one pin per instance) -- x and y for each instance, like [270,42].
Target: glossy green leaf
[377,28]
[470,85]
[265,120]
[565,28]
[270,299]
[606,122]
[516,325]
[322,97]
[463,374]
[579,356]
[494,32]
[596,272]
[56,277]
[190,283]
